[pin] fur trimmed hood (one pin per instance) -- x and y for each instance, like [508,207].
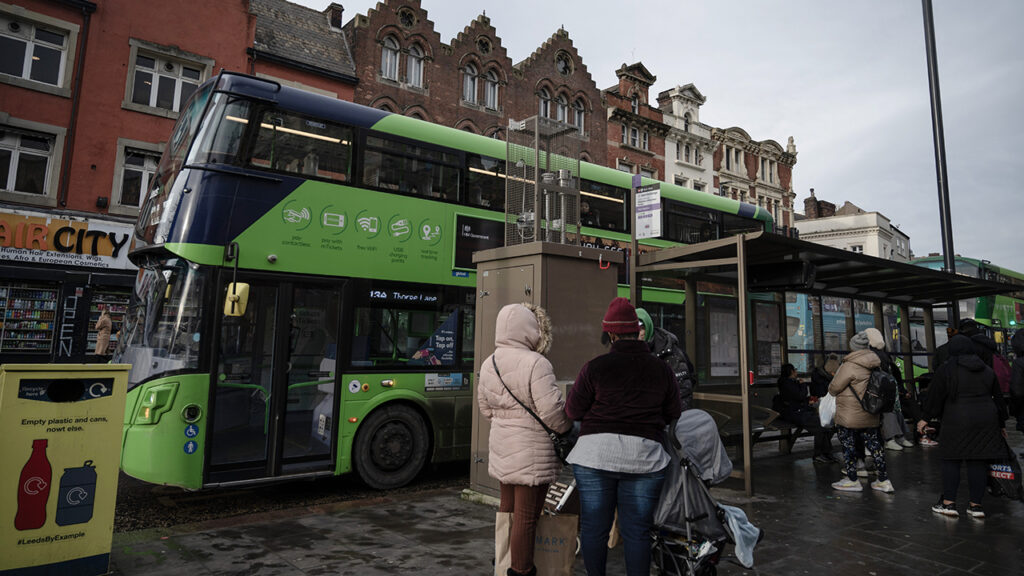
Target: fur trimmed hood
[523,325]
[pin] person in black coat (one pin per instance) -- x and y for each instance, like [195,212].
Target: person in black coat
[1017,378]
[797,409]
[984,345]
[665,345]
[965,396]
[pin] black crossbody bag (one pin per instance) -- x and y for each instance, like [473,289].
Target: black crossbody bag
[563,443]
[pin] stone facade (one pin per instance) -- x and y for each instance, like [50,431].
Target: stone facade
[470,83]
[688,146]
[854,229]
[636,129]
[756,172]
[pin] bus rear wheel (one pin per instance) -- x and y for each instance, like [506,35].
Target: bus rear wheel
[391,447]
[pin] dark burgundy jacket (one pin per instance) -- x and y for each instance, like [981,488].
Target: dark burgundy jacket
[626,391]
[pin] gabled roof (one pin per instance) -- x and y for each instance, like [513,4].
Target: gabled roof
[638,72]
[294,34]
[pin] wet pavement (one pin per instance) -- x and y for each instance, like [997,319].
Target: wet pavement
[810,529]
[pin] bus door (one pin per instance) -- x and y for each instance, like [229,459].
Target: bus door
[275,391]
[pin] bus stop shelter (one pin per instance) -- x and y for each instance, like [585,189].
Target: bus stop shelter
[763,262]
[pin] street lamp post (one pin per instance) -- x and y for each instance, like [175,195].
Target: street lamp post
[945,220]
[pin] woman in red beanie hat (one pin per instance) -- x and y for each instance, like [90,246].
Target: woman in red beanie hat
[624,400]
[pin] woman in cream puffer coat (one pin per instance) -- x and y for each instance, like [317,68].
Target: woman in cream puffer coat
[522,457]
[852,421]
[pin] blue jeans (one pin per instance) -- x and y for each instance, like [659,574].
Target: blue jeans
[635,496]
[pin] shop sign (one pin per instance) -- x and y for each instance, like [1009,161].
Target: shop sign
[37,238]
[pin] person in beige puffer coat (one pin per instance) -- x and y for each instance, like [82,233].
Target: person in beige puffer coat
[522,457]
[852,421]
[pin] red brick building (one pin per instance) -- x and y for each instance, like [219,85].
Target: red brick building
[756,172]
[470,83]
[636,129]
[89,92]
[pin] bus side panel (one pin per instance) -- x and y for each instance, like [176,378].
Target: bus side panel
[447,406]
[159,445]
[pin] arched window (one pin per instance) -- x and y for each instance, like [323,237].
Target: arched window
[562,109]
[389,59]
[545,103]
[469,84]
[414,66]
[578,113]
[491,90]
[686,122]
[635,104]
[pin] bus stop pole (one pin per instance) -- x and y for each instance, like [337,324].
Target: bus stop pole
[634,256]
[741,306]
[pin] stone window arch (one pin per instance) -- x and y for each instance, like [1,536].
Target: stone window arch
[389,58]
[469,82]
[414,66]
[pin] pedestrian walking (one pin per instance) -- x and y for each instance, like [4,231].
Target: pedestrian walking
[852,421]
[665,345]
[103,328]
[623,399]
[965,396]
[522,457]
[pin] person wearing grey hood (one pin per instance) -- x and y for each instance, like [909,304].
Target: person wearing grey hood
[852,421]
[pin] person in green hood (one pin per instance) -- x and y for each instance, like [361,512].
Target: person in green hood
[665,345]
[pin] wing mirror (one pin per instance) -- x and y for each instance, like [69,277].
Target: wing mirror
[236,299]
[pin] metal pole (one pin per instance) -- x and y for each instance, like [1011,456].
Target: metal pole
[945,220]
[634,256]
[741,302]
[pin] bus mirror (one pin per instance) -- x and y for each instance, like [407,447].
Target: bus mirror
[236,299]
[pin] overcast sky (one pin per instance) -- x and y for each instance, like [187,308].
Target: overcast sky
[848,80]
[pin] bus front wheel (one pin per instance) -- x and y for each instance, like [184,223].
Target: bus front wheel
[391,447]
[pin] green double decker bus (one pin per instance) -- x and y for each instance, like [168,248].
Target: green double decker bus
[305,300]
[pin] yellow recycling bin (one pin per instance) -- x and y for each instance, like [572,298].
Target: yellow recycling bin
[60,426]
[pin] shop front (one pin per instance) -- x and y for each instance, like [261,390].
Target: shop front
[57,272]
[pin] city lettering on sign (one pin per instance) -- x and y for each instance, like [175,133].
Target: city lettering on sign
[33,237]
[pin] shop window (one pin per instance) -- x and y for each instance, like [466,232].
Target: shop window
[161,80]
[36,51]
[29,313]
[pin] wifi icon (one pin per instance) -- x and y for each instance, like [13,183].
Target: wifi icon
[368,224]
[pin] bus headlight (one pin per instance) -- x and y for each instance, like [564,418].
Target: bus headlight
[155,402]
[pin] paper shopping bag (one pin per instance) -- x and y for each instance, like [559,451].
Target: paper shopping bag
[554,550]
[555,545]
[502,548]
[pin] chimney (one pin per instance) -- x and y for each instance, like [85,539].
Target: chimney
[334,13]
[811,206]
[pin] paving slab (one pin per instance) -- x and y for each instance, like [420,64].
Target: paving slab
[810,529]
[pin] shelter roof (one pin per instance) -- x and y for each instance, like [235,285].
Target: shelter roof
[777,263]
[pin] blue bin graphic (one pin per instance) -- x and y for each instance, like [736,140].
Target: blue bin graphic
[77,494]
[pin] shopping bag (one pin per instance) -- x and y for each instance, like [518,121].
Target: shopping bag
[1004,476]
[554,550]
[827,410]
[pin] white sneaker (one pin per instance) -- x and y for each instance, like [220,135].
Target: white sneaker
[905,443]
[885,486]
[893,445]
[847,485]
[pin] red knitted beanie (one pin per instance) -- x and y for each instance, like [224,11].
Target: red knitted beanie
[620,318]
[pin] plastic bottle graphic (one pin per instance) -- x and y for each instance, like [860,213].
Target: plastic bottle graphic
[33,489]
[77,494]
